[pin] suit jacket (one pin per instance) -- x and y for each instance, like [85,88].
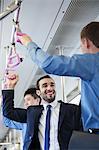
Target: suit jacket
[69,120]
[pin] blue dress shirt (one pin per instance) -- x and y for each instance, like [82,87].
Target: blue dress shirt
[86,67]
[16,125]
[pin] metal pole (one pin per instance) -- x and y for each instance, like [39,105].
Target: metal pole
[61,52]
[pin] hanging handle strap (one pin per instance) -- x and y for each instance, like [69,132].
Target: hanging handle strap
[13,58]
[15,20]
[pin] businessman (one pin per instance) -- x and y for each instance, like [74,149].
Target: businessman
[64,117]
[85,66]
[31,97]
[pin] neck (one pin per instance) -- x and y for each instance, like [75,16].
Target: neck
[93,49]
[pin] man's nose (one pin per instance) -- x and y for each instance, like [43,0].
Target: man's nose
[49,88]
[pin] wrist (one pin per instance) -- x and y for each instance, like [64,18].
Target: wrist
[10,86]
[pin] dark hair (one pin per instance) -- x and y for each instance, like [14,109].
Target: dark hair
[32,92]
[37,83]
[91,31]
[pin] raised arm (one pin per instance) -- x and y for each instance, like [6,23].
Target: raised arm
[16,114]
[77,65]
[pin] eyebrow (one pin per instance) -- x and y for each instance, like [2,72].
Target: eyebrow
[52,83]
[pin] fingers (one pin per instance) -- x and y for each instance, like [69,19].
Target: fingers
[11,80]
[23,38]
[18,35]
[12,76]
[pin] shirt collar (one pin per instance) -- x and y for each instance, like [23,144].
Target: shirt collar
[53,104]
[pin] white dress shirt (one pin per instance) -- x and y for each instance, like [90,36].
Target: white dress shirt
[54,145]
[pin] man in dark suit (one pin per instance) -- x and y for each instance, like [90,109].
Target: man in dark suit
[64,117]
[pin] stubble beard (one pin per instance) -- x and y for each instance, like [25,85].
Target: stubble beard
[48,99]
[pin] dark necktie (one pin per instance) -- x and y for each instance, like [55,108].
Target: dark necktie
[47,128]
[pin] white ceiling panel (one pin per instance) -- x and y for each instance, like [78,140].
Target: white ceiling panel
[79,13]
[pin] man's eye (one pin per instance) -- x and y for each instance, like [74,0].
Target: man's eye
[44,85]
[52,85]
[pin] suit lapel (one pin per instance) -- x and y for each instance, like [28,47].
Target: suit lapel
[61,114]
[33,116]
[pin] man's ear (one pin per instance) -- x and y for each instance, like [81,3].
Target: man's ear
[86,42]
[38,92]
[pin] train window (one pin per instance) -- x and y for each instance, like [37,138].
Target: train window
[76,100]
[74,96]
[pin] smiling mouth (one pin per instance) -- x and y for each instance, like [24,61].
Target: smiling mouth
[50,93]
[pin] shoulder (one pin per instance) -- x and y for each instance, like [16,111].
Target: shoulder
[35,108]
[68,105]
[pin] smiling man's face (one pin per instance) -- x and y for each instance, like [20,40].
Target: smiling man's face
[47,89]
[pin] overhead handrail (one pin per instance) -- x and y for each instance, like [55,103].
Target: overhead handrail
[10,8]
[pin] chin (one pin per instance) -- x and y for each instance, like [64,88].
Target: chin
[51,100]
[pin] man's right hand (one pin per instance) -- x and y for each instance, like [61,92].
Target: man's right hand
[11,80]
[23,38]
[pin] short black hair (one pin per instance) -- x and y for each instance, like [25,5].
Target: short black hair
[32,92]
[43,77]
[91,31]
